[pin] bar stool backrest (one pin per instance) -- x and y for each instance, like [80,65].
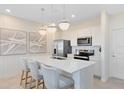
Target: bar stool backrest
[25,64]
[51,77]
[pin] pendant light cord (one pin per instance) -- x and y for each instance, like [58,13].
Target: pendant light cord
[64,12]
[42,14]
[51,13]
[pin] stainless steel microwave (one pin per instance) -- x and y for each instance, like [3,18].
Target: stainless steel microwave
[84,41]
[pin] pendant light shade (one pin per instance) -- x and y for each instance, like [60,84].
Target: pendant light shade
[64,25]
[42,31]
[52,27]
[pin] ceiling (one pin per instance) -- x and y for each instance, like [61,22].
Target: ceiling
[82,11]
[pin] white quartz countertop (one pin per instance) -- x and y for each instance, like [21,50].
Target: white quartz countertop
[69,65]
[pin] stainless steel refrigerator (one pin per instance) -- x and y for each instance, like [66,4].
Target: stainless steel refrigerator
[62,47]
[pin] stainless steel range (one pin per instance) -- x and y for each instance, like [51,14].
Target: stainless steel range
[83,54]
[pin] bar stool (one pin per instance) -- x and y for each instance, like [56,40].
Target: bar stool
[53,80]
[36,75]
[25,72]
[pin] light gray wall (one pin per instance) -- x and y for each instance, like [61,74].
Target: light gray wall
[10,65]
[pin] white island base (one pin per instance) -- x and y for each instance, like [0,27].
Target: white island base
[83,79]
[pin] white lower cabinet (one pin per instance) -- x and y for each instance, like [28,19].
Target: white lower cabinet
[97,66]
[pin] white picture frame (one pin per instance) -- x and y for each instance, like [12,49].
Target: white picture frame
[13,42]
[37,42]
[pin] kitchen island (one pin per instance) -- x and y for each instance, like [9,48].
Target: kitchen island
[81,71]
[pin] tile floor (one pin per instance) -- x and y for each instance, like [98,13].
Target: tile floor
[112,83]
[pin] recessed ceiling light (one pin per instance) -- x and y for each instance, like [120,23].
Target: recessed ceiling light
[8,10]
[73,16]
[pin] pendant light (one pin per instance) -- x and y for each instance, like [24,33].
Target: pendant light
[64,24]
[52,26]
[42,29]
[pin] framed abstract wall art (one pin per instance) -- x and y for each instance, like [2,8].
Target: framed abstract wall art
[37,42]
[13,42]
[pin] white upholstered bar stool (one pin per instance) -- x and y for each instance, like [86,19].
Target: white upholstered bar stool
[53,80]
[38,77]
[25,72]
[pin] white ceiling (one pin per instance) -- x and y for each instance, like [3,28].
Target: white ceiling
[82,11]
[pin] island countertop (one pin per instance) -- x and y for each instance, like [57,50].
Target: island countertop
[69,65]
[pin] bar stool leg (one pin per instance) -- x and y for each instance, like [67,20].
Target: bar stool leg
[37,84]
[22,75]
[43,85]
[31,82]
[26,78]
